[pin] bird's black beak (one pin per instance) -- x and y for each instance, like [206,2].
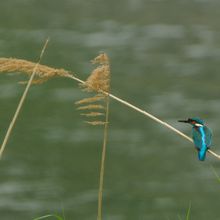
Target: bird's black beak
[184,121]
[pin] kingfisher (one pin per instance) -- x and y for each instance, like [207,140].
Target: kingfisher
[201,134]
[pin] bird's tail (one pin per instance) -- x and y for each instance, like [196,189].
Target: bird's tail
[202,154]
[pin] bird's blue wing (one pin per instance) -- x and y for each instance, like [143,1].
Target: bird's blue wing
[208,135]
[197,138]
[202,137]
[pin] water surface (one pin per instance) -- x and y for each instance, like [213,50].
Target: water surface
[164,59]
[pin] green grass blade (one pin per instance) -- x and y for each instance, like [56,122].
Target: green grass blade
[179,217]
[215,173]
[188,212]
[57,217]
[63,213]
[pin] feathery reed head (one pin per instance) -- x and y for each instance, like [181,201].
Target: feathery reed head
[101,59]
[98,81]
[93,107]
[43,72]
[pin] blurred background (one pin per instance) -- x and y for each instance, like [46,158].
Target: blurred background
[164,58]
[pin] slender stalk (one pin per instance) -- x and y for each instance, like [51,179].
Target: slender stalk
[20,104]
[150,116]
[102,170]
[188,212]
[214,154]
[105,138]
[159,121]
[49,216]
[146,114]
[215,173]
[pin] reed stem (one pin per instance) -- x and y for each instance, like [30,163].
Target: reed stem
[147,114]
[20,104]
[102,170]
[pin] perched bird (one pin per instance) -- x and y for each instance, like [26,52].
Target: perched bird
[201,134]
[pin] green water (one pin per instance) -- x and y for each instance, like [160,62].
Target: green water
[164,58]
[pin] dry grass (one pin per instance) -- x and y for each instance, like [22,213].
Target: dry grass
[99,82]
[92,114]
[91,106]
[43,72]
[95,98]
[20,104]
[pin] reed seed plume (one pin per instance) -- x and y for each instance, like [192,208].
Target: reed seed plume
[43,72]
[96,122]
[93,106]
[97,97]
[99,82]
[92,114]
[101,59]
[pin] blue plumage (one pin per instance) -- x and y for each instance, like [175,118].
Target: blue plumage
[202,136]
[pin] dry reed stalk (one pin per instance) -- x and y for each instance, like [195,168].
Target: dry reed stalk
[105,78]
[158,121]
[20,104]
[147,114]
[98,81]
